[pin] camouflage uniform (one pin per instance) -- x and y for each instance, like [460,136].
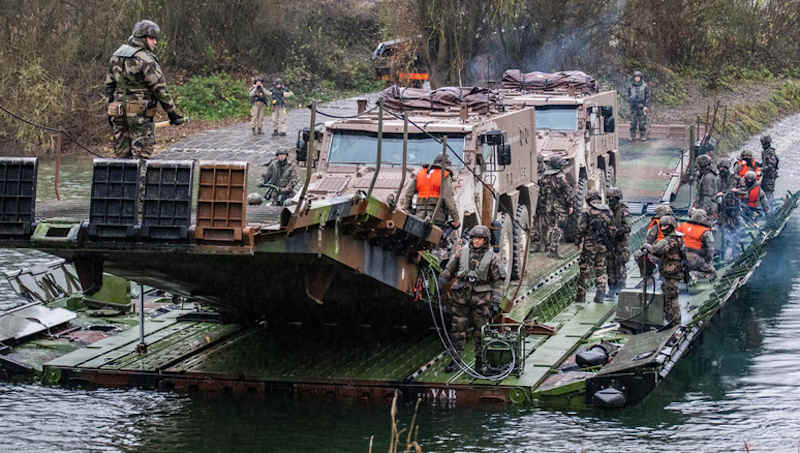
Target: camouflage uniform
[283,175]
[745,160]
[134,86]
[770,163]
[279,93]
[672,257]
[425,206]
[725,180]
[700,261]
[559,195]
[728,224]
[540,217]
[596,232]
[707,185]
[638,97]
[478,277]
[258,101]
[617,259]
[747,184]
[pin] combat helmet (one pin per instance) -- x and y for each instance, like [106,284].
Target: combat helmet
[699,216]
[724,164]
[146,28]
[556,162]
[441,161]
[282,151]
[663,210]
[277,81]
[668,224]
[614,193]
[480,231]
[747,154]
[750,177]
[638,73]
[704,161]
[766,141]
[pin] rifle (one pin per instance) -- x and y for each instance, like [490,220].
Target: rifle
[272,189]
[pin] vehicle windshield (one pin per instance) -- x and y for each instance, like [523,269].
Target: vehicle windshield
[561,117]
[357,147]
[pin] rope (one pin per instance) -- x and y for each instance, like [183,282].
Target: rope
[49,129]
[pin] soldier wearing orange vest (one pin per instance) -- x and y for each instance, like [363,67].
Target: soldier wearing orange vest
[654,232]
[428,187]
[746,163]
[751,194]
[699,243]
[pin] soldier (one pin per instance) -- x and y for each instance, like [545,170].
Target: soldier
[134,86]
[617,259]
[279,94]
[699,243]
[428,188]
[596,233]
[725,180]
[258,101]
[746,163]
[280,179]
[477,290]
[654,232]
[638,97]
[751,194]
[540,217]
[728,224]
[707,185]
[770,162]
[672,267]
[559,195]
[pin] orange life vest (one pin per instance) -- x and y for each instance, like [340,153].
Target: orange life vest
[745,168]
[692,235]
[657,223]
[429,185]
[753,196]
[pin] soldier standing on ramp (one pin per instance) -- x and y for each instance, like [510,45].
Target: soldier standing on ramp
[770,163]
[654,233]
[672,267]
[617,259]
[134,86]
[638,97]
[699,242]
[596,233]
[707,185]
[476,291]
[559,196]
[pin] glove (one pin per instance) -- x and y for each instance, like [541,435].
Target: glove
[175,119]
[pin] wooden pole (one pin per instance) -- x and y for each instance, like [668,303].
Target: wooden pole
[59,142]
[309,159]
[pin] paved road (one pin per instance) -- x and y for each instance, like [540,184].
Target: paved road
[238,143]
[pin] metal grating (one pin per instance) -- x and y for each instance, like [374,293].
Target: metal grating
[221,207]
[115,191]
[17,195]
[167,213]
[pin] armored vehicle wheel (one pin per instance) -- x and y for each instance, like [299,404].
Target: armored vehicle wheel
[507,247]
[521,238]
[571,228]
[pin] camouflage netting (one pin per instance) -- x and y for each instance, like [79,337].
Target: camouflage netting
[577,80]
[402,98]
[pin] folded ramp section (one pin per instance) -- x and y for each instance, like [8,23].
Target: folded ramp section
[221,203]
[167,213]
[115,192]
[17,196]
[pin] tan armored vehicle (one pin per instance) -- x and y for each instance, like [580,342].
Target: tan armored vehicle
[486,143]
[573,120]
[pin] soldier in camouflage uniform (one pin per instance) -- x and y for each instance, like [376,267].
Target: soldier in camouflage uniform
[558,195]
[477,291]
[596,232]
[725,180]
[280,179]
[746,163]
[134,87]
[769,170]
[540,217]
[698,240]
[707,185]
[429,186]
[754,201]
[654,233]
[617,259]
[638,97]
[672,266]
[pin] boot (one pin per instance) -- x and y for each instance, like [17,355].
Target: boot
[599,295]
[282,134]
[451,367]
[254,131]
[260,132]
[275,133]
[535,248]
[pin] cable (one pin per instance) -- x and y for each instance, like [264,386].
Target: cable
[337,117]
[49,129]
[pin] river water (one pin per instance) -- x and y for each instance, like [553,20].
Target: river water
[740,384]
